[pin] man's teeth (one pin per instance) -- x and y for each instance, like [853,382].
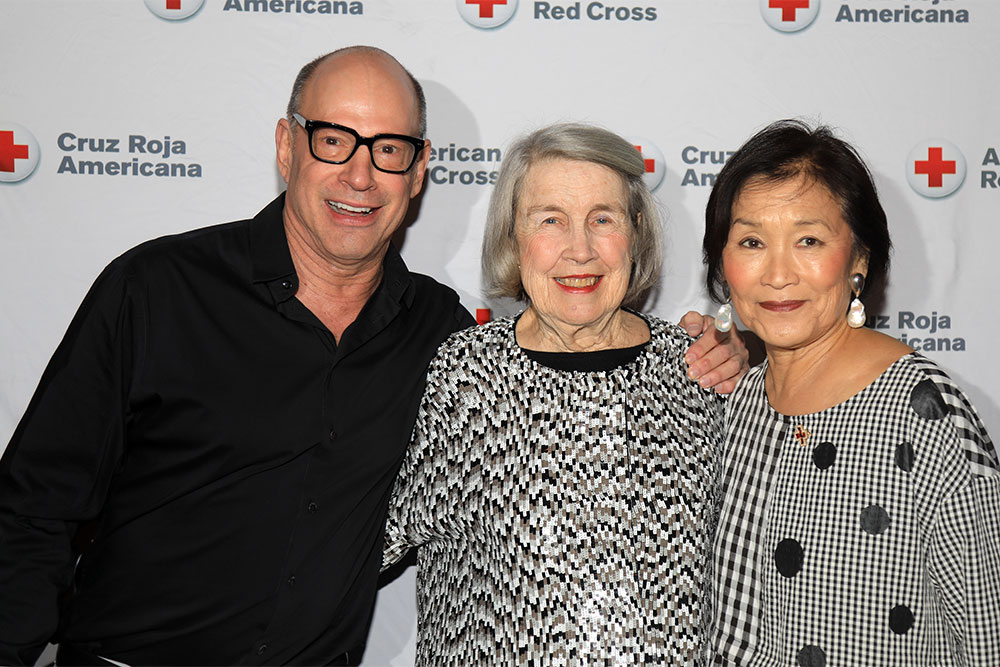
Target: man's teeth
[578,282]
[340,206]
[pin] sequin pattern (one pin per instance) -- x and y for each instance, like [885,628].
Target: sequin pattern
[563,517]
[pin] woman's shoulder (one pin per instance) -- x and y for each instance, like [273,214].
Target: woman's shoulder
[924,384]
[475,344]
[489,332]
[915,383]
[749,399]
[933,399]
[666,334]
[668,343]
[754,378]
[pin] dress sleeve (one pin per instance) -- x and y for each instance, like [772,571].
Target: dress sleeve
[428,501]
[964,555]
[55,472]
[964,563]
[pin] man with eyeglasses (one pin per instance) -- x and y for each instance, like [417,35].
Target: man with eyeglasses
[219,430]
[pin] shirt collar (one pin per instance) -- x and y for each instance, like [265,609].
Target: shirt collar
[272,264]
[396,277]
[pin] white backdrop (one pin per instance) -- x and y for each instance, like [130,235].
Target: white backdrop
[911,83]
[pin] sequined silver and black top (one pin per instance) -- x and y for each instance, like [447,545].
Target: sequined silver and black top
[563,516]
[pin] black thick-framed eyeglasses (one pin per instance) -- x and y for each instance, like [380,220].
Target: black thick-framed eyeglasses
[336,144]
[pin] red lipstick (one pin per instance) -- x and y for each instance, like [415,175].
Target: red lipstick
[581,284]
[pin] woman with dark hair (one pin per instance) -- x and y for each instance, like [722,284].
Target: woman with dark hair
[860,492]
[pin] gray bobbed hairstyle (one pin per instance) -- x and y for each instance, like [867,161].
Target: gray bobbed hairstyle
[585,143]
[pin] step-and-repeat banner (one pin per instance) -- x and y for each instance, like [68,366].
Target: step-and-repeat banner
[123,120]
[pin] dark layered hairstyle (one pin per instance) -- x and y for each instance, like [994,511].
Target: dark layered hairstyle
[785,150]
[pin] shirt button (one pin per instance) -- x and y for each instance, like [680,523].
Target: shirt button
[333,435]
[291,581]
[262,650]
[313,508]
[286,284]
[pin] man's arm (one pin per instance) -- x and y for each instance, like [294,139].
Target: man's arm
[717,360]
[56,470]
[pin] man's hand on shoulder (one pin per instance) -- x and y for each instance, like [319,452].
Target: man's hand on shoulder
[716,360]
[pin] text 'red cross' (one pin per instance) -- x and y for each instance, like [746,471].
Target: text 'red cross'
[9,151]
[650,164]
[788,7]
[486,6]
[801,435]
[483,315]
[935,167]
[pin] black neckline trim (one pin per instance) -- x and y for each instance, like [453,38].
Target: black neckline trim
[589,362]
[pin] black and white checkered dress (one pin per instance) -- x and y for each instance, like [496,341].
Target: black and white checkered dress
[865,534]
[563,515]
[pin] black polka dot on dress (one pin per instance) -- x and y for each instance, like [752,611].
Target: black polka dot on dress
[903,456]
[900,619]
[874,520]
[927,401]
[824,455]
[788,557]
[811,656]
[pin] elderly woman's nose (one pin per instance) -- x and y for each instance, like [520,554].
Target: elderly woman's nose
[580,244]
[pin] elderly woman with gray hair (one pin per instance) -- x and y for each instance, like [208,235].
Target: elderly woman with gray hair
[559,474]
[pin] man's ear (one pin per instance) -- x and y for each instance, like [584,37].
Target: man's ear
[283,141]
[420,169]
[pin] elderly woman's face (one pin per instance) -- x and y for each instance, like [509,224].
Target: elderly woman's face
[573,238]
[788,261]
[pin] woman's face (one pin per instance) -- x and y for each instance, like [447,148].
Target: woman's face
[573,238]
[788,261]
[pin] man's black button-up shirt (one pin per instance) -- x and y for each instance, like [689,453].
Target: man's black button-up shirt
[234,461]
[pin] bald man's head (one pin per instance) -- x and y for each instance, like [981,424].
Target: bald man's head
[353,53]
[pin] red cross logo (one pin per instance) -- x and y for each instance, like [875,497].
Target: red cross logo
[9,151]
[486,6]
[935,167]
[801,435]
[483,315]
[788,7]
[650,164]
[173,4]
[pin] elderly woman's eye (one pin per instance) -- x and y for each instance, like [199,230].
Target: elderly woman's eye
[549,221]
[750,243]
[810,241]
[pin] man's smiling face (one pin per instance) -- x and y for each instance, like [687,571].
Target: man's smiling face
[347,213]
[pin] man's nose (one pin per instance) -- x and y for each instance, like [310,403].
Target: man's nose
[359,171]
